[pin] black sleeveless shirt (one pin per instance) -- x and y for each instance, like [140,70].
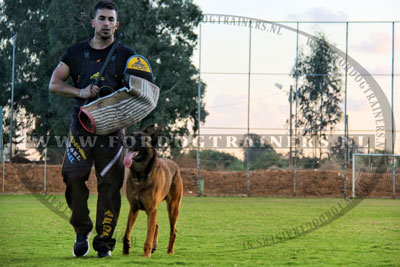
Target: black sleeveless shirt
[85,64]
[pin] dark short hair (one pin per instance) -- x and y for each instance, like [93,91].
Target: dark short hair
[104,4]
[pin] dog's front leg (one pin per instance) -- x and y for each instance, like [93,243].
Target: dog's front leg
[151,228]
[133,214]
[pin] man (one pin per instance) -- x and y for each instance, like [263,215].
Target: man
[83,62]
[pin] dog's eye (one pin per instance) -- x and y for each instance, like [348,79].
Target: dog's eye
[129,141]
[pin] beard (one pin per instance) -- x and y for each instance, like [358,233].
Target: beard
[105,38]
[105,35]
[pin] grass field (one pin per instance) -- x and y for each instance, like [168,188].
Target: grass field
[211,232]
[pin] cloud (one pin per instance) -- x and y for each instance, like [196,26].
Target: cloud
[231,111]
[379,68]
[320,13]
[377,43]
[355,103]
[227,111]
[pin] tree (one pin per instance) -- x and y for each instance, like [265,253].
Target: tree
[162,31]
[12,16]
[319,90]
[338,150]
[256,147]
[269,159]
[216,160]
[260,155]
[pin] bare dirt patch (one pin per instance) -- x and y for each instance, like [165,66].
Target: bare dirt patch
[29,178]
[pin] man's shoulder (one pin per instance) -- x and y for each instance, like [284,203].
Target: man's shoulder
[78,46]
[126,50]
[73,53]
[76,50]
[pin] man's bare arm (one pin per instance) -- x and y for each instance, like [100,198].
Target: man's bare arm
[59,86]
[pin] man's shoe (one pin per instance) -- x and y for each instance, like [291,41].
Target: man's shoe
[81,246]
[102,254]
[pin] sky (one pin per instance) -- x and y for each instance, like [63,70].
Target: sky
[225,49]
[351,10]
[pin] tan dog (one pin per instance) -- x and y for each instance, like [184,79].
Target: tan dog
[150,180]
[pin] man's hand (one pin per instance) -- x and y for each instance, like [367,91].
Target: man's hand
[59,86]
[89,91]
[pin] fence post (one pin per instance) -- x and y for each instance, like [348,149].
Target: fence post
[200,189]
[1,132]
[392,115]
[1,148]
[248,114]
[394,176]
[296,108]
[4,170]
[12,96]
[45,171]
[346,149]
[353,184]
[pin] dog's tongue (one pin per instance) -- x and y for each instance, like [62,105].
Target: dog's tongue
[128,159]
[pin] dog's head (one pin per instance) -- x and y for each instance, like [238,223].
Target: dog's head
[141,145]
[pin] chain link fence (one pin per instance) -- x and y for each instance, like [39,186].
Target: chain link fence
[251,143]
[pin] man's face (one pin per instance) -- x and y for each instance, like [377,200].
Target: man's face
[105,23]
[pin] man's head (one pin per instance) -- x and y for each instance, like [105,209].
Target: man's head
[104,19]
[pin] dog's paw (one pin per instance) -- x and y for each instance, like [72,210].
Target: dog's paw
[126,247]
[147,253]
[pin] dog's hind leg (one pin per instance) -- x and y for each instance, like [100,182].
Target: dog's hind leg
[133,214]
[173,210]
[173,204]
[155,240]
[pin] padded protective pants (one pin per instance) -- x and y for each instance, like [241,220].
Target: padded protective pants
[82,151]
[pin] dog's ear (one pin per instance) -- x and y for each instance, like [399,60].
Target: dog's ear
[129,140]
[157,131]
[149,129]
[154,136]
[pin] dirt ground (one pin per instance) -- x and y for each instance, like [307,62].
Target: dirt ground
[29,178]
